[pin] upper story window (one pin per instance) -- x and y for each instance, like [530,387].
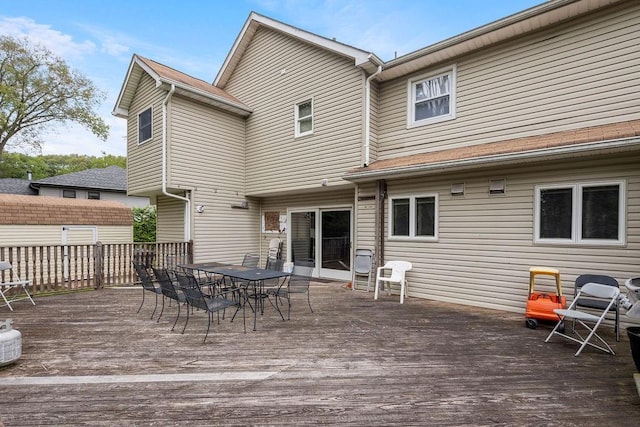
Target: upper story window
[93,195]
[304,118]
[432,97]
[144,125]
[581,213]
[69,194]
[414,217]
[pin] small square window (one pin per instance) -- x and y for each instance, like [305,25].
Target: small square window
[144,125]
[93,195]
[69,194]
[432,97]
[414,217]
[304,118]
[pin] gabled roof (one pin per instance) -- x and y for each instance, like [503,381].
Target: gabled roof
[184,84]
[584,141]
[113,178]
[16,186]
[364,59]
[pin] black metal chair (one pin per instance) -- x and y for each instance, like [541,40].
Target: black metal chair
[597,303]
[169,291]
[211,304]
[250,260]
[294,285]
[148,285]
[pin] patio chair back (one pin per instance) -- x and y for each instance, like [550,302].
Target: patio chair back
[250,260]
[362,267]
[11,285]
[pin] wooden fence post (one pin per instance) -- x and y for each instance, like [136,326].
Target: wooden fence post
[98,266]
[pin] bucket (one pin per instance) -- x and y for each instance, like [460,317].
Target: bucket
[633,332]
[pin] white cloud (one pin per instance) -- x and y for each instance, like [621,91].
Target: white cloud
[61,44]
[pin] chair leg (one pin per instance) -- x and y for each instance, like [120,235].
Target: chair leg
[143,294]
[309,301]
[177,316]
[186,321]
[377,288]
[161,311]
[209,314]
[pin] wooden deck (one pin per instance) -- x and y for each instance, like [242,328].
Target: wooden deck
[89,359]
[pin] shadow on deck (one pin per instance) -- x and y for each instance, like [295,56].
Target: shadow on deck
[88,358]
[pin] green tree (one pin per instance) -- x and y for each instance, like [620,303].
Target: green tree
[16,165]
[37,90]
[144,224]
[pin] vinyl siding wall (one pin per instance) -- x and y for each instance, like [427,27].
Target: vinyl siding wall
[582,73]
[277,72]
[207,156]
[170,219]
[144,161]
[485,245]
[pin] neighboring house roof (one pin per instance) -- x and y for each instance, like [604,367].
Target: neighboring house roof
[364,59]
[16,186]
[27,210]
[183,84]
[595,139]
[113,178]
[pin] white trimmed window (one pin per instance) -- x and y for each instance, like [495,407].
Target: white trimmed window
[145,125]
[581,213]
[432,97]
[414,217]
[304,118]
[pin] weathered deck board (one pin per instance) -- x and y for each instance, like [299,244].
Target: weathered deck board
[354,361]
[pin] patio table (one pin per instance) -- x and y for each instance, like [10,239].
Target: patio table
[254,279]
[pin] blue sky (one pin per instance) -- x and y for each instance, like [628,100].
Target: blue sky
[98,37]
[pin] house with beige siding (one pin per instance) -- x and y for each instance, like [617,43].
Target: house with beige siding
[515,144]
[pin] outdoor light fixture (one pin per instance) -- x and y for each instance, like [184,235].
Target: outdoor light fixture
[200,208]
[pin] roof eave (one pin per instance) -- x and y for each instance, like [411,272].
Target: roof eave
[626,144]
[205,97]
[492,33]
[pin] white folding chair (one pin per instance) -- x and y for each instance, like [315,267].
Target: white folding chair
[608,295]
[362,266]
[398,270]
[11,285]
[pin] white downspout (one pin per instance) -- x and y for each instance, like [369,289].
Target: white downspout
[187,207]
[367,119]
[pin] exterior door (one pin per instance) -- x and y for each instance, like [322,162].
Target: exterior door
[335,251]
[320,242]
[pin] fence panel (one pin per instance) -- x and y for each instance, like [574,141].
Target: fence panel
[55,268]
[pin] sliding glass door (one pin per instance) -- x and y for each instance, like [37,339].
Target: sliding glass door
[320,242]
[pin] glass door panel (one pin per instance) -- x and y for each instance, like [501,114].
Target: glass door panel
[335,226]
[302,230]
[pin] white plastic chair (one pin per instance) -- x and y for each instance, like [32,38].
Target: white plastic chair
[362,266]
[605,293]
[9,280]
[398,270]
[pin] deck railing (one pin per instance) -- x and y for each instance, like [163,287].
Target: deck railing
[54,268]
